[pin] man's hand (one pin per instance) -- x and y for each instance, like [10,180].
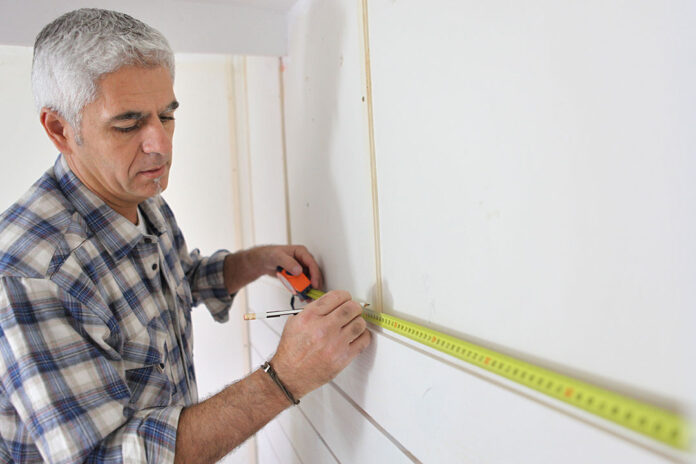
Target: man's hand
[319,342]
[245,266]
[316,345]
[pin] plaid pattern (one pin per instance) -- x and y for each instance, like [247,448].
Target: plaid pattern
[95,326]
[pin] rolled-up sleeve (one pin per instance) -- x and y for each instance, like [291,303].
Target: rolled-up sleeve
[207,281]
[66,383]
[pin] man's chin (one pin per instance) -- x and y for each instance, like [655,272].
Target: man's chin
[153,188]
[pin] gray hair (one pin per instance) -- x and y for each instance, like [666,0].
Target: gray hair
[76,49]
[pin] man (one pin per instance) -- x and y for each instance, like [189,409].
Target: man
[96,283]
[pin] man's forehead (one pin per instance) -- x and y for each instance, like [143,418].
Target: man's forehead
[135,89]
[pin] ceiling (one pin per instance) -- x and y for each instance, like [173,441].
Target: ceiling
[276,5]
[248,27]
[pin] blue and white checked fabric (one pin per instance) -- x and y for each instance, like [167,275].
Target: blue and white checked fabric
[95,326]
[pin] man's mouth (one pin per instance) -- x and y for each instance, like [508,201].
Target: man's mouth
[154,173]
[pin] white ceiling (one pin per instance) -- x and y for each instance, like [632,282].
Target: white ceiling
[245,27]
[276,5]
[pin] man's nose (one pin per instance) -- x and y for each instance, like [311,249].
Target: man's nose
[157,139]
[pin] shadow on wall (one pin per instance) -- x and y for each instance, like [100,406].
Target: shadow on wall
[316,220]
[316,148]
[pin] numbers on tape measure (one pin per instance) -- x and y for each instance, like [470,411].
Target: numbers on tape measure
[643,418]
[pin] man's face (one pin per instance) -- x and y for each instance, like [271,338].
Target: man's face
[126,148]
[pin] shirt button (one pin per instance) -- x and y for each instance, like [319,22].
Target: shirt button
[154,267]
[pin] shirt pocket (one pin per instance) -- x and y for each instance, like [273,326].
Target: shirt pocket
[145,361]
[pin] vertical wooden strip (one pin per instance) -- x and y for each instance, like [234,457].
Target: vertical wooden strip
[379,303]
[248,151]
[281,83]
[236,199]
[234,153]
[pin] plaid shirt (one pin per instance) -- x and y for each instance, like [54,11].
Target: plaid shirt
[95,326]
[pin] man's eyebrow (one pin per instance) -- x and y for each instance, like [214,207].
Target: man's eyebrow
[171,107]
[127,116]
[137,115]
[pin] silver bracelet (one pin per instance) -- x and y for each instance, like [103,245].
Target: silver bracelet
[267,368]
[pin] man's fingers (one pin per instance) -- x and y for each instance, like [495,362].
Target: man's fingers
[346,313]
[295,259]
[359,344]
[329,302]
[307,260]
[354,329]
[288,263]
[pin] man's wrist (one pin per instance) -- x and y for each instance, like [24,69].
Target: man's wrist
[240,269]
[271,389]
[268,369]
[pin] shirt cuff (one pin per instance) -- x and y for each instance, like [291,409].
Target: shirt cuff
[212,289]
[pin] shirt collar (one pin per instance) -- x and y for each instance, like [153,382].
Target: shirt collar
[118,235]
[153,214]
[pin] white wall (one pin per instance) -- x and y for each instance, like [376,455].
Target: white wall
[326,131]
[26,151]
[552,146]
[533,175]
[200,190]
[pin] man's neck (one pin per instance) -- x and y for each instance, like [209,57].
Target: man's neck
[126,209]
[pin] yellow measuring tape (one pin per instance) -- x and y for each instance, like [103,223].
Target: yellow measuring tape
[652,421]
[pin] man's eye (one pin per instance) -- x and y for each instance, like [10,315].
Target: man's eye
[166,118]
[126,129]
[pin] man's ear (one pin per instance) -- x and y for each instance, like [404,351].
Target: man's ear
[58,130]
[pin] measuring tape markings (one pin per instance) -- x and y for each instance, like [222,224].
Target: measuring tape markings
[659,424]
[643,418]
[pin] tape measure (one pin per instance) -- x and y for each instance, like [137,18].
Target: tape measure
[646,419]
[656,423]
[297,284]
